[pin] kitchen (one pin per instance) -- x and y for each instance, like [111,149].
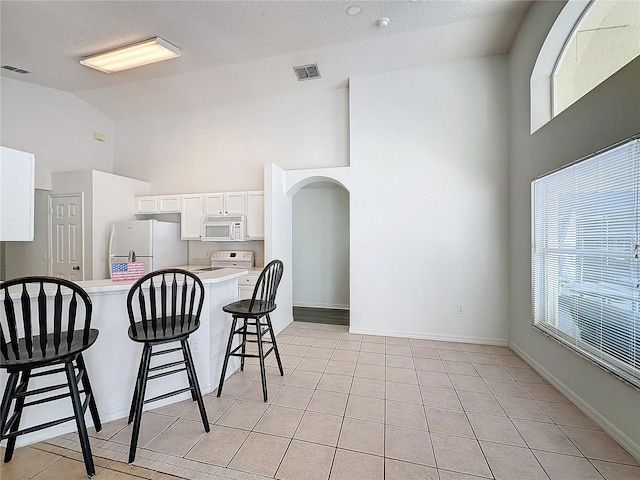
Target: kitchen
[226,132]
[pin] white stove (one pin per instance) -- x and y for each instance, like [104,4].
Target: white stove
[232,259]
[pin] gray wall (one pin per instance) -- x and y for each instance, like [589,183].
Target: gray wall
[321,247]
[608,114]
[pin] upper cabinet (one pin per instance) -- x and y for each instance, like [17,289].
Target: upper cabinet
[169,204]
[17,195]
[255,215]
[191,217]
[151,204]
[213,203]
[192,207]
[231,203]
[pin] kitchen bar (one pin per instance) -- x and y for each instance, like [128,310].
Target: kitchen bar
[112,362]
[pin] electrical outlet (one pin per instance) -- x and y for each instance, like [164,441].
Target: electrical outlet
[195,346]
[460,310]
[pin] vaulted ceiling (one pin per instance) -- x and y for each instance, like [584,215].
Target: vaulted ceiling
[240,50]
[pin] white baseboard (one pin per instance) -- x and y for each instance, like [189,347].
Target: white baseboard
[613,431]
[440,338]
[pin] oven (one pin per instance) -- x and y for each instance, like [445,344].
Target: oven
[238,259]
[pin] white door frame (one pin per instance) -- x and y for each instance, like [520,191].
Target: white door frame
[79,195]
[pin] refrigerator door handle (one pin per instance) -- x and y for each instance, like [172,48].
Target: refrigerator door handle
[132,255]
[113,231]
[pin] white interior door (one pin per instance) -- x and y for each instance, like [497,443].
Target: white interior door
[66,236]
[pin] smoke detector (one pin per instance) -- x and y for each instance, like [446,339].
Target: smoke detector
[307,72]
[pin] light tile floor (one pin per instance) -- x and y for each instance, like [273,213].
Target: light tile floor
[357,407]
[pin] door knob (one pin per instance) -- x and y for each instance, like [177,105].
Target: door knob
[77,267]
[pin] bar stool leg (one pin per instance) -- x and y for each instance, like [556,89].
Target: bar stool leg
[11,442]
[184,344]
[263,374]
[146,356]
[244,345]
[193,380]
[226,356]
[79,414]
[275,345]
[86,385]
[136,389]
[6,402]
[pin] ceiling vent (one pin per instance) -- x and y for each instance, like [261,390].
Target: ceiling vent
[14,69]
[307,72]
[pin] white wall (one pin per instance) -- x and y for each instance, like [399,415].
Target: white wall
[2,262]
[606,115]
[429,227]
[31,258]
[225,148]
[277,240]
[321,247]
[55,126]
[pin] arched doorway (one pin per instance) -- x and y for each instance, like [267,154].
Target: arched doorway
[320,250]
[280,186]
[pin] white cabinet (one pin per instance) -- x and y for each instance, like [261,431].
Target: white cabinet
[145,205]
[235,203]
[191,209]
[151,204]
[232,203]
[169,204]
[255,215]
[246,284]
[214,204]
[17,195]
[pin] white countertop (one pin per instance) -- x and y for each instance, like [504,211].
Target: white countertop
[207,277]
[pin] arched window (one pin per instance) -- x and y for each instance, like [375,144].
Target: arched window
[589,42]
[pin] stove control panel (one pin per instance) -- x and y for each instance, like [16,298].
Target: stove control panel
[242,258]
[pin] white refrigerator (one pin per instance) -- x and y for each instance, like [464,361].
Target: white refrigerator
[155,243]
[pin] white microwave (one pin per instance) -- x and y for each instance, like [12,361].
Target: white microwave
[224,229]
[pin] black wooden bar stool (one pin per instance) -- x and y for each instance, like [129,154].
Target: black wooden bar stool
[164,307]
[252,312]
[48,324]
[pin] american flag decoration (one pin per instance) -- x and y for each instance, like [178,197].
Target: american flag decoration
[127,271]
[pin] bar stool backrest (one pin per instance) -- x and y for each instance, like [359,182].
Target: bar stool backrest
[43,317]
[163,299]
[264,293]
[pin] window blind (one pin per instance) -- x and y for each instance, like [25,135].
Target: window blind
[585,257]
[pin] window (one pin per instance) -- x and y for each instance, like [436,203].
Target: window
[585,257]
[605,39]
[588,42]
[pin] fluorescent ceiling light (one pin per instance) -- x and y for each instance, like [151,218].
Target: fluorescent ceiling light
[142,53]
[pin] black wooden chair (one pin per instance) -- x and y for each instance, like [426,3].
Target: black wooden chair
[254,313]
[164,307]
[47,322]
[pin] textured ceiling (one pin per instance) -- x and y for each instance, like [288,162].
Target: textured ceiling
[238,50]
